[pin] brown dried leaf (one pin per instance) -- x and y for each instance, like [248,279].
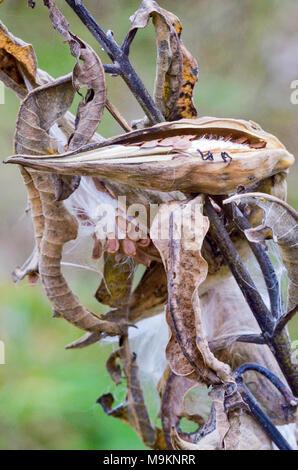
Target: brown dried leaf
[38,112]
[134,411]
[106,401]
[86,340]
[17,59]
[245,433]
[150,294]
[172,408]
[180,247]
[169,58]
[29,267]
[90,74]
[114,368]
[185,107]
[281,220]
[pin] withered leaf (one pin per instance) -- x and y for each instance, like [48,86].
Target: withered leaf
[38,113]
[113,367]
[17,59]
[169,57]
[220,304]
[90,74]
[172,408]
[180,245]
[134,411]
[281,222]
[29,267]
[185,107]
[150,294]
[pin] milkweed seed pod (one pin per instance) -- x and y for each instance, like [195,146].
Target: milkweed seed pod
[173,160]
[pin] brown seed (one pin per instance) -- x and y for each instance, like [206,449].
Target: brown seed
[144,242]
[113,245]
[99,185]
[97,249]
[170,141]
[150,144]
[179,155]
[182,144]
[129,247]
[258,145]
[228,137]
[241,140]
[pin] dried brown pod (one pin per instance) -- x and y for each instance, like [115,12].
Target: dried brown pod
[154,169]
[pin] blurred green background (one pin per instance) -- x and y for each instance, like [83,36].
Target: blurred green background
[248,57]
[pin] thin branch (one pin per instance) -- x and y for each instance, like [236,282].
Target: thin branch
[255,339]
[112,69]
[226,341]
[283,389]
[117,116]
[125,46]
[284,320]
[120,60]
[262,418]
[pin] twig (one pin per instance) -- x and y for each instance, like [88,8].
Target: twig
[120,59]
[290,399]
[256,410]
[117,116]
[284,320]
[222,343]
[262,418]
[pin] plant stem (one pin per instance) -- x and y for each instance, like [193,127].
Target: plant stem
[291,401]
[120,60]
[263,419]
[285,319]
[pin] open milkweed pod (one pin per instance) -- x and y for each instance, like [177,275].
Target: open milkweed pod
[206,155]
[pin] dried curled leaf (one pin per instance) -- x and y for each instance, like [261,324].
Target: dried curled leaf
[180,247]
[177,69]
[134,411]
[88,74]
[38,113]
[227,428]
[16,58]
[172,403]
[280,221]
[255,154]
[169,57]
